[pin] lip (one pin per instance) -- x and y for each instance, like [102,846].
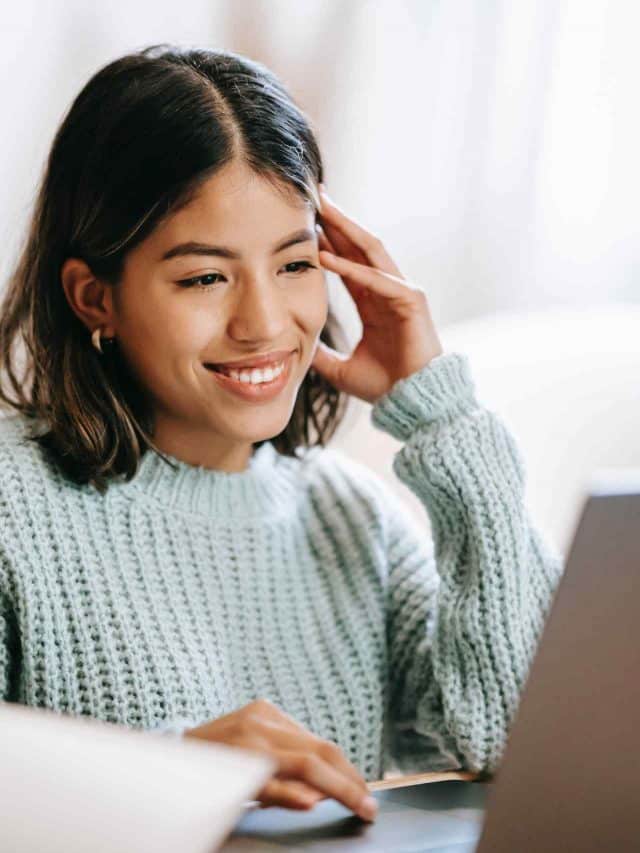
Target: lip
[263,360]
[263,393]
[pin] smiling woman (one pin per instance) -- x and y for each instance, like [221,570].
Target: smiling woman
[178,549]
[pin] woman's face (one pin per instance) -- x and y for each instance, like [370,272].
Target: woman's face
[251,297]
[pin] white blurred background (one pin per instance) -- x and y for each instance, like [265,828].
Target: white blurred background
[491,144]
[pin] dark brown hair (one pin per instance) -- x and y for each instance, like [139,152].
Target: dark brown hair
[137,142]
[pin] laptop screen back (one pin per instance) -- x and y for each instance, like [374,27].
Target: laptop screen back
[569,779]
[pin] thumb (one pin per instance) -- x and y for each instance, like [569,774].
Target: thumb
[329,363]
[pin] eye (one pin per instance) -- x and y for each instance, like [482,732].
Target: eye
[203,281]
[303,264]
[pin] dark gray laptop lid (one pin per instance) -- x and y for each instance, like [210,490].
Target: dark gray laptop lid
[570,778]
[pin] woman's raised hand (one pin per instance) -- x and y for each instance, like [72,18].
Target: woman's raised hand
[308,768]
[398,335]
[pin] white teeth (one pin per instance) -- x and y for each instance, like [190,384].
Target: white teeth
[257,375]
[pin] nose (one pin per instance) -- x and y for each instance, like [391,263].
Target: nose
[260,313]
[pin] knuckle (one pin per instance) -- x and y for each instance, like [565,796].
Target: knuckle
[348,793]
[269,789]
[329,751]
[288,764]
[308,765]
[248,722]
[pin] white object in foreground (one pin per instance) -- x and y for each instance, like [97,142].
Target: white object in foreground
[73,784]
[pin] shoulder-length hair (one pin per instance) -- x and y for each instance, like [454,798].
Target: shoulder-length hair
[137,142]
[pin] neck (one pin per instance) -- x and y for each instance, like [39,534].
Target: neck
[263,490]
[203,449]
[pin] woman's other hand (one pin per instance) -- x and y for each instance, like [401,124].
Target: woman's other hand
[309,769]
[398,334]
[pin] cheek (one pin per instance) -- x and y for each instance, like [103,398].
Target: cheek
[312,306]
[164,335]
[190,329]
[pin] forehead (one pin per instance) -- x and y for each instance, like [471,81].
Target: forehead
[237,205]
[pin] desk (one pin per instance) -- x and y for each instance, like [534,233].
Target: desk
[440,817]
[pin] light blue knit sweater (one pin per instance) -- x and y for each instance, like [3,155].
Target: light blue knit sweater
[181,596]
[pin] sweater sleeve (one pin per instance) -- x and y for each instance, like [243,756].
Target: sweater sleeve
[466,609]
[177,728]
[9,643]
[5,657]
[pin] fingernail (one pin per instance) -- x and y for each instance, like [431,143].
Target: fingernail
[368,808]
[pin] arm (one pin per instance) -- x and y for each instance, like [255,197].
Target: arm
[177,728]
[5,661]
[461,638]
[9,644]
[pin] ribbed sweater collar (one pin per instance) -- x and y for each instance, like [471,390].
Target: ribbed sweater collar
[264,488]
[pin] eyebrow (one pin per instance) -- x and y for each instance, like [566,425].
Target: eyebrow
[193,248]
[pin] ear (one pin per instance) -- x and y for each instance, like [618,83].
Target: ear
[89,298]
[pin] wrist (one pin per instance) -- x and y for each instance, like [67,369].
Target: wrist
[440,390]
[177,728]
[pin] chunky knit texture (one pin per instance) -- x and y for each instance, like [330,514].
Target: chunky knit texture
[183,595]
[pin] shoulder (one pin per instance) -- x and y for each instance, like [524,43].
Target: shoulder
[18,453]
[36,498]
[27,473]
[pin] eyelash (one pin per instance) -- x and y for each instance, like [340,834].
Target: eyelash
[192,282]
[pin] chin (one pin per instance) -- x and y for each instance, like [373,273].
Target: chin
[260,427]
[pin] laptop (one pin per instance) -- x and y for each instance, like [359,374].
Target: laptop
[570,777]
[570,774]
[74,785]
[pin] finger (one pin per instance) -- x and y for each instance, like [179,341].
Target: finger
[359,236]
[305,790]
[329,363]
[282,730]
[314,771]
[376,280]
[265,710]
[301,740]
[289,794]
[342,245]
[335,757]
[324,242]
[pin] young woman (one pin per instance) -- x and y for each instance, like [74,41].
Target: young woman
[179,550]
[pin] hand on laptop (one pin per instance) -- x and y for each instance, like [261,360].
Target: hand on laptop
[309,768]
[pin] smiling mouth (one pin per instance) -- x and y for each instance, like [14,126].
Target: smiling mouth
[254,386]
[251,375]
[255,374]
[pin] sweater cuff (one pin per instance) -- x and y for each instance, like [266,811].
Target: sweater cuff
[174,727]
[442,389]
